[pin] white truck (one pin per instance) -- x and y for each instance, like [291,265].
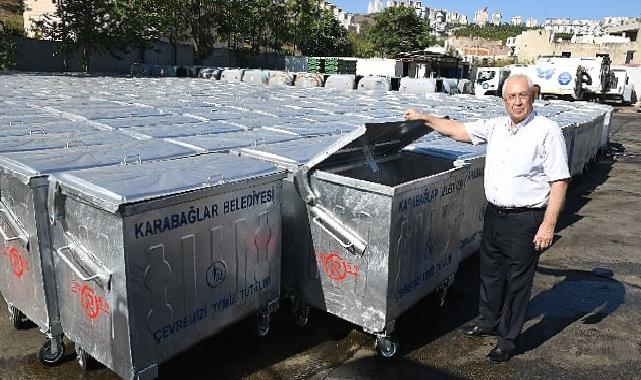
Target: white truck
[573,78]
[622,91]
[489,80]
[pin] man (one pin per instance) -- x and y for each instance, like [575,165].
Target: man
[537,91]
[526,179]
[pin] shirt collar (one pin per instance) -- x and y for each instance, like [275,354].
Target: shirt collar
[522,123]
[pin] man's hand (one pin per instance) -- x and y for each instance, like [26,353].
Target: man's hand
[412,114]
[543,238]
[449,128]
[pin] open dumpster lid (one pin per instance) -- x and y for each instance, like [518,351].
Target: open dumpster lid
[448,149]
[369,141]
[111,187]
[26,165]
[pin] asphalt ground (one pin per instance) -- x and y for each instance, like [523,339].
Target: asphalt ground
[583,321]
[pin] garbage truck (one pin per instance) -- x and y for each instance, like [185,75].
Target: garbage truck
[574,78]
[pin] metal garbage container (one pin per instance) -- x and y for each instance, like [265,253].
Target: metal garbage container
[374,228]
[26,272]
[474,202]
[150,259]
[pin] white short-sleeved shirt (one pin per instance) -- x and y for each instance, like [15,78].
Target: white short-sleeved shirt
[520,162]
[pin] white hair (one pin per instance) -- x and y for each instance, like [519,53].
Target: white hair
[530,85]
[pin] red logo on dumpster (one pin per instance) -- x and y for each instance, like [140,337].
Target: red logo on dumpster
[92,304]
[18,263]
[336,268]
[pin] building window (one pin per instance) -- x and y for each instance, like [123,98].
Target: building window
[629,56]
[566,54]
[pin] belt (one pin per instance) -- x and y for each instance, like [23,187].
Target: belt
[513,210]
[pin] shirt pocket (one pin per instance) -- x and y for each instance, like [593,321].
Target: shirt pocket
[525,162]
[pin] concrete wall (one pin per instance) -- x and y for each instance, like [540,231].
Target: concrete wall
[38,55]
[532,44]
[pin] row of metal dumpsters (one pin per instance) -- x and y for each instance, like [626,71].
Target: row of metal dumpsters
[138,225]
[311,79]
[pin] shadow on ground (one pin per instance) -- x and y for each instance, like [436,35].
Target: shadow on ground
[588,296]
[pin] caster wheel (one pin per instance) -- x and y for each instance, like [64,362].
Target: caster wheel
[18,319]
[386,347]
[301,315]
[442,297]
[51,353]
[263,324]
[86,361]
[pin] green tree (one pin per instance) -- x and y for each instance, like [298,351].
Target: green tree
[490,32]
[327,38]
[362,45]
[142,22]
[89,25]
[397,30]
[7,46]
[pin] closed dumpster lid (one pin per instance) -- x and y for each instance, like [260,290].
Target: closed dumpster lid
[291,154]
[180,130]
[61,140]
[27,165]
[226,141]
[368,141]
[67,126]
[111,187]
[141,121]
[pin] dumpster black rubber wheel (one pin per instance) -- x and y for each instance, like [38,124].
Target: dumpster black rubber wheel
[386,347]
[263,324]
[49,358]
[301,315]
[18,319]
[86,361]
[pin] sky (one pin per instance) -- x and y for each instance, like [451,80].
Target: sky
[539,9]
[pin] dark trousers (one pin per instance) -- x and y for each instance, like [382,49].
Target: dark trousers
[507,263]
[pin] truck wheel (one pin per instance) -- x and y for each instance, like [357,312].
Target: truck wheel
[51,352]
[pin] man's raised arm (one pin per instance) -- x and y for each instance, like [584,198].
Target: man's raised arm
[449,128]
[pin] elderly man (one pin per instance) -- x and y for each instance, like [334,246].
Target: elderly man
[526,178]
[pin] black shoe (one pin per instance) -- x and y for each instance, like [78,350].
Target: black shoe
[473,331]
[499,355]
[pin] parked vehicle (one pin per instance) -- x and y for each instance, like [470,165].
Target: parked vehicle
[574,78]
[489,80]
[622,91]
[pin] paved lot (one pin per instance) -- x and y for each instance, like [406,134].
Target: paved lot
[583,323]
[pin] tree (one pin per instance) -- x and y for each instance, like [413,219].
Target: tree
[327,38]
[142,22]
[397,30]
[89,25]
[7,46]
[491,32]
[362,45]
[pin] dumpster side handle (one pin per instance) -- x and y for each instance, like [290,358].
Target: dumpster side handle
[348,245]
[101,279]
[342,234]
[4,234]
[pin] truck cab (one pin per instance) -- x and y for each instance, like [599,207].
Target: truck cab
[489,80]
